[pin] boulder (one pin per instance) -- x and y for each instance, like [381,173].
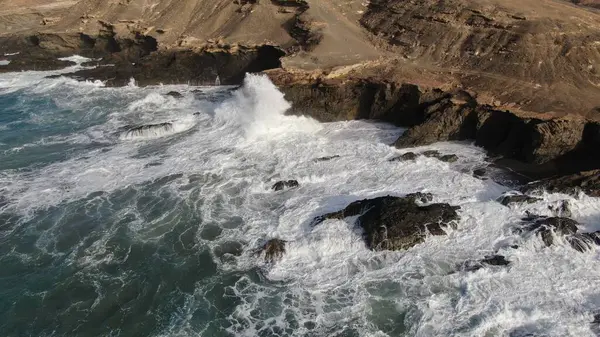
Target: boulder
[449,158]
[431,153]
[174,94]
[280,185]
[396,223]
[490,260]
[517,199]
[479,173]
[405,157]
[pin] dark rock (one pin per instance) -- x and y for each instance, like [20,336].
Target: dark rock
[587,182]
[186,66]
[561,209]
[546,226]
[280,185]
[405,157]
[480,172]
[431,153]
[137,56]
[326,158]
[517,199]
[491,260]
[495,260]
[395,223]
[449,158]
[273,250]
[174,94]
[36,62]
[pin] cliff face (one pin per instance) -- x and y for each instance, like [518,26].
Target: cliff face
[541,56]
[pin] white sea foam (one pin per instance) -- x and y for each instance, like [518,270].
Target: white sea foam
[4,62]
[328,280]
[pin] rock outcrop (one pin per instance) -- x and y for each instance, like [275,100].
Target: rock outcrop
[395,223]
[137,56]
[547,146]
[587,182]
[548,227]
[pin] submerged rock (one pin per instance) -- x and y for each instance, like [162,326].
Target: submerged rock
[273,250]
[148,130]
[449,158]
[491,260]
[431,153]
[174,94]
[326,158]
[479,173]
[280,185]
[405,157]
[517,199]
[395,223]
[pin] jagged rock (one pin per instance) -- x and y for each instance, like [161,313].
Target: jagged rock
[395,223]
[326,158]
[280,185]
[174,94]
[587,182]
[546,226]
[517,199]
[449,158]
[405,157]
[274,249]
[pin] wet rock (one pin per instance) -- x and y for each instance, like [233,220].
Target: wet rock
[587,182]
[561,209]
[479,173]
[395,223]
[35,61]
[584,241]
[517,199]
[449,158]
[326,158]
[431,153]
[274,249]
[174,94]
[495,260]
[491,260]
[280,185]
[547,226]
[405,157]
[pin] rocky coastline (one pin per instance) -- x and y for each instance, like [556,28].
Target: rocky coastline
[556,151]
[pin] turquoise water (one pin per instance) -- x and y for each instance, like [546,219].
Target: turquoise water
[109,233]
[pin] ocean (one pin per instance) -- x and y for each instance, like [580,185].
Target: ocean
[128,212]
